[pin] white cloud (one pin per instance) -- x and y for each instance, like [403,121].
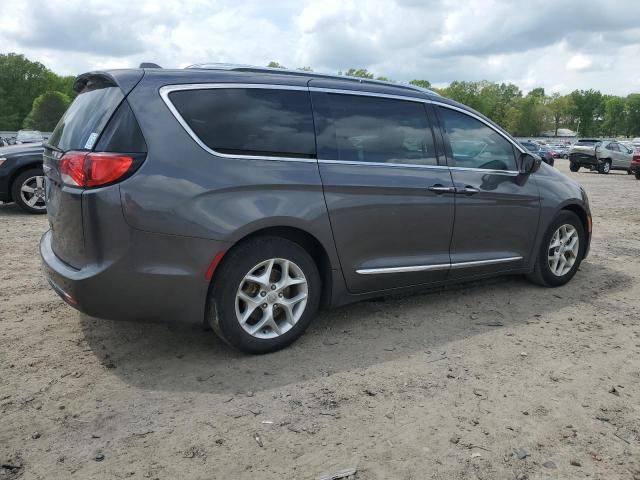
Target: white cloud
[579,62]
[563,45]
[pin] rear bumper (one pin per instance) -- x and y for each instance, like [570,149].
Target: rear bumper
[584,160]
[162,279]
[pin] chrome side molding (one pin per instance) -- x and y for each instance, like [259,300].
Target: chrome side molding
[441,266]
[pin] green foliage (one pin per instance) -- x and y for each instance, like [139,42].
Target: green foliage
[421,83]
[47,110]
[587,108]
[273,64]
[614,116]
[632,112]
[360,72]
[21,81]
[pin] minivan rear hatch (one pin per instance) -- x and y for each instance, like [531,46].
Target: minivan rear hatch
[78,130]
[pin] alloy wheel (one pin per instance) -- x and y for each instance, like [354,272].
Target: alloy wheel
[32,192]
[271,298]
[563,250]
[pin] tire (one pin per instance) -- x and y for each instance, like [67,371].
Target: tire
[30,179]
[542,273]
[574,167]
[565,156]
[225,305]
[637,175]
[604,167]
[629,172]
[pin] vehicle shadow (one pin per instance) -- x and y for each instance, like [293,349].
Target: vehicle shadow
[177,357]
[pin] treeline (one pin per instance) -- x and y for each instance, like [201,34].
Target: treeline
[587,112]
[31,95]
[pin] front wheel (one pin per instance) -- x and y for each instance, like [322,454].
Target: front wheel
[265,294]
[574,167]
[561,251]
[604,167]
[27,191]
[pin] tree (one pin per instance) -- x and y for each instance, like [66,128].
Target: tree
[587,109]
[47,110]
[21,80]
[559,108]
[421,83]
[360,73]
[273,64]
[633,115]
[614,116]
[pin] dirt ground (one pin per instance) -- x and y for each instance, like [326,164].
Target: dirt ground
[495,380]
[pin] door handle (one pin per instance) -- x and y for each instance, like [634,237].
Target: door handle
[437,188]
[468,190]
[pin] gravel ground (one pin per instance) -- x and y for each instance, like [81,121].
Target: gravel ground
[494,380]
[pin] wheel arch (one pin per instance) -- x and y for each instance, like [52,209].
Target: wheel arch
[306,240]
[37,164]
[582,214]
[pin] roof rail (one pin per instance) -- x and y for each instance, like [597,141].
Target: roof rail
[305,73]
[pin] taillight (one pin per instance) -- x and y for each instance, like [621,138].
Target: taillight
[81,169]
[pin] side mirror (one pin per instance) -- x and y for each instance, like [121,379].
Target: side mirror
[528,163]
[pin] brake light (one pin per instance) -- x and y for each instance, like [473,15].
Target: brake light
[81,169]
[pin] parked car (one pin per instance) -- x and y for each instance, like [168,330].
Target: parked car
[29,136]
[603,156]
[540,150]
[636,143]
[249,198]
[635,164]
[560,151]
[21,177]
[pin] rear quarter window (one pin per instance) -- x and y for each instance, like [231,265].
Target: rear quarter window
[249,121]
[83,122]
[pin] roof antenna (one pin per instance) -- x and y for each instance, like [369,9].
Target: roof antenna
[149,65]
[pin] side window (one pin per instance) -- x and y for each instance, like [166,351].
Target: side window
[362,128]
[250,121]
[474,144]
[613,147]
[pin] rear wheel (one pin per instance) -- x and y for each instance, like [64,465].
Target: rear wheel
[637,175]
[604,167]
[27,191]
[561,251]
[266,293]
[574,167]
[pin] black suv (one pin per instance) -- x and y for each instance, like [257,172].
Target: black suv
[21,177]
[248,198]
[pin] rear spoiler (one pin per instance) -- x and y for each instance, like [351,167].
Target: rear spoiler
[125,79]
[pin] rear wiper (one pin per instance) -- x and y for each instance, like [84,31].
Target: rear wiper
[48,145]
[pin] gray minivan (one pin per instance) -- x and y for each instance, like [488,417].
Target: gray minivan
[248,198]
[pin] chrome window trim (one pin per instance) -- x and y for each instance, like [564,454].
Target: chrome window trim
[381,164]
[166,90]
[441,266]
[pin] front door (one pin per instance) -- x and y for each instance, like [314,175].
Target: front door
[390,199]
[496,208]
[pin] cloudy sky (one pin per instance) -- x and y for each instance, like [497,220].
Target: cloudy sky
[560,45]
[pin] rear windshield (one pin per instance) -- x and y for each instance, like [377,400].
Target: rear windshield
[587,142]
[247,121]
[82,123]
